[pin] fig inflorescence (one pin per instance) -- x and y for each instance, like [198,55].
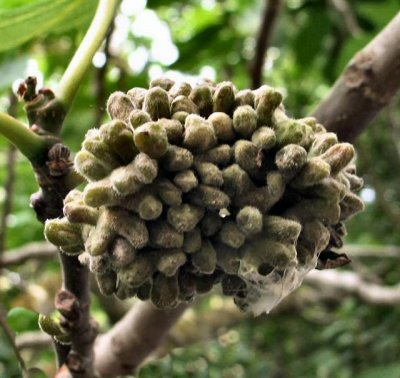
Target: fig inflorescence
[188,187]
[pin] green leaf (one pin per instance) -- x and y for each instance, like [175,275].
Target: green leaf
[387,371]
[21,319]
[23,23]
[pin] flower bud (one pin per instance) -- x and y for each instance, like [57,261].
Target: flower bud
[192,241]
[180,89]
[156,103]
[186,180]
[183,104]
[202,97]
[199,134]
[209,197]
[119,106]
[137,96]
[209,174]
[163,82]
[224,97]
[264,138]
[163,235]
[223,126]
[250,221]
[245,120]
[177,159]
[231,235]
[151,138]
[138,117]
[205,259]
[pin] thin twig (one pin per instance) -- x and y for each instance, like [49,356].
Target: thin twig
[270,16]
[349,18]
[10,180]
[10,336]
[33,340]
[366,86]
[31,251]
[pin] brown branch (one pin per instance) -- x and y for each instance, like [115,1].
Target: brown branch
[33,340]
[270,16]
[127,345]
[370,80]
[348,16]
[38,250]
[351,283]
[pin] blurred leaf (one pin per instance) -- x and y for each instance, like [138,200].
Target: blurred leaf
[21,24]
[12,69]
[387,371]
[21,319]
[34,373]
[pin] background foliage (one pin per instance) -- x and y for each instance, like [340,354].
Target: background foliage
[311,44]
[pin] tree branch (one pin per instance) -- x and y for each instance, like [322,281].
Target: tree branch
[368,83]
[127,345]
[82,59]
[39,250]
[351,283]
[30,144]
[270,16]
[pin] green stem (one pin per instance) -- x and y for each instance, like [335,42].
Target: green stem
[29,143]
[82,59]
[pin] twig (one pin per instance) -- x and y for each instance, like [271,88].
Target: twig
[10,180]
[126,346]
[270,16]
[10,336]
[30,144]
[346,12]
[351,283]
[33,340]
[39,250]
[82,59]
[368,83]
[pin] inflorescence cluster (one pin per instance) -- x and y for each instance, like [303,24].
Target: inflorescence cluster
[191,187]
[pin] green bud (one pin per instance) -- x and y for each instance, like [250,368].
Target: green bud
[169,193]
[228,258]
[180,117]
[120,139]
[223,126]
[91,167]
[192,241]
[183,104]
[231,235]
[163,82]
[210,224]
[107,283]
[309,121]
[236,181]
[350,205]
[137,96]
[266,100]
[180,89]
[356,183]
[76,211]
[187,285]
[264,138]
[61,232]
[245,120]
[257,197]
[338,156]
[281,229]
[156,103]
[185,217]
[173,128]
[138,117]
[99,264]
[290,160]
[329,189]
[276,188]
[121,253]
[317,209]
[177,159]
[292,132]
[209,197]
[313,172]
[151,138]
[246,154]
[250,220]
[313,239]
[220,155]
[322,142]
[205,282]
[102,235]
[137,273]
[186,180]
[100,193]
[199,134]
[244,97]
[205,259]
[209,174]
[150,207]
[224,97]
[119,106]
[97,147]
[163,235]
[169,261]
[202,97]
[165,291]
